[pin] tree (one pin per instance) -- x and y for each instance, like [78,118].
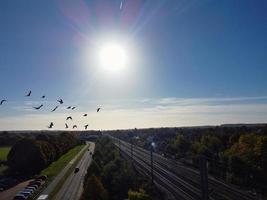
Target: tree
[138,195]
[182,146]
[94,189]
[26,157]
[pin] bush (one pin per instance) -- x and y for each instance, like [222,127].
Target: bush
[29,156]
[140,195]
[94,189]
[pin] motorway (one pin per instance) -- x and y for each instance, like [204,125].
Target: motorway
[177,179]
[73,187]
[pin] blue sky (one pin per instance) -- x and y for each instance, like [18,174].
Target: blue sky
[190,62]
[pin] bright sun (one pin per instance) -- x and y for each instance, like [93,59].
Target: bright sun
[113,57]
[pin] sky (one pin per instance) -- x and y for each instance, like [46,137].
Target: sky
[189,63]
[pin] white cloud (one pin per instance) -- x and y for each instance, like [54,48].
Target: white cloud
[139,113]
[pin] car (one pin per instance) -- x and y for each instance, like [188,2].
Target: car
[39,183]
[43,177]
[25,193]
[30,188]
[91,153]
[76,169]
[20,197]
[33,186]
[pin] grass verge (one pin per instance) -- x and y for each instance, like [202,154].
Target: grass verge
[66,175]
[54,168]
[4,152]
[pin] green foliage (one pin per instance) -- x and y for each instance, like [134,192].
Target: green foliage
[26,157]
[29,156]
[182,146]
[4,152]
[55,167]
[138,195]
[247,160]
[9,139]
[94,189]
[209,145]
[118,177]
[109,170]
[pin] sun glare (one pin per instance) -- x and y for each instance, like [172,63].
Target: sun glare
[113,57]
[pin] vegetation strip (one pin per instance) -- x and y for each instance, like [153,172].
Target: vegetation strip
[4,152]
[66,175]
[55,167]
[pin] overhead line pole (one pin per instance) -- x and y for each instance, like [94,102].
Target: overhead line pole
[151,164]
[204,177]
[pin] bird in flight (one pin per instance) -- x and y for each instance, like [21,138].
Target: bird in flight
[51,125]
[74,126]
[98,109]
[60,101]
[73,108]
[86,126]
[69,118]
[85,115]
[69,107]
[54,109]
[2,101]
[66,125]
[43,96]
[37,108]
[29,94]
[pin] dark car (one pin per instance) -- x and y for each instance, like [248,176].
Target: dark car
[38,183]
[20,197]
[76,169]
[43,177]
[34,185]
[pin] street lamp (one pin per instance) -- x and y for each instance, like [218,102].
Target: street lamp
[152,146]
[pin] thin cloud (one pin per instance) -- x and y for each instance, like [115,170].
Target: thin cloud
[144,113]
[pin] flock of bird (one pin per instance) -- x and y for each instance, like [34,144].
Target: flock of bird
[60,101]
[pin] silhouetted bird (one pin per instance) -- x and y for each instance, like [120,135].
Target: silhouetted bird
[2,101]
[43,96]
[69,107]
[69,118]
[86,126]
[29,94]
[37,108]
[66,125]
[98,109]
[85,115]
[73,108]
[74,126]
[54,109]
[60,101]
[51,125]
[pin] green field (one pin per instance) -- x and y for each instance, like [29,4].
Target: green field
[4,152]
[54,168]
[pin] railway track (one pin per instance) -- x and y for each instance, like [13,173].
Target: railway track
[181,181]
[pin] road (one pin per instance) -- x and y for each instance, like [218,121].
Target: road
[179,180]
[73,187]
